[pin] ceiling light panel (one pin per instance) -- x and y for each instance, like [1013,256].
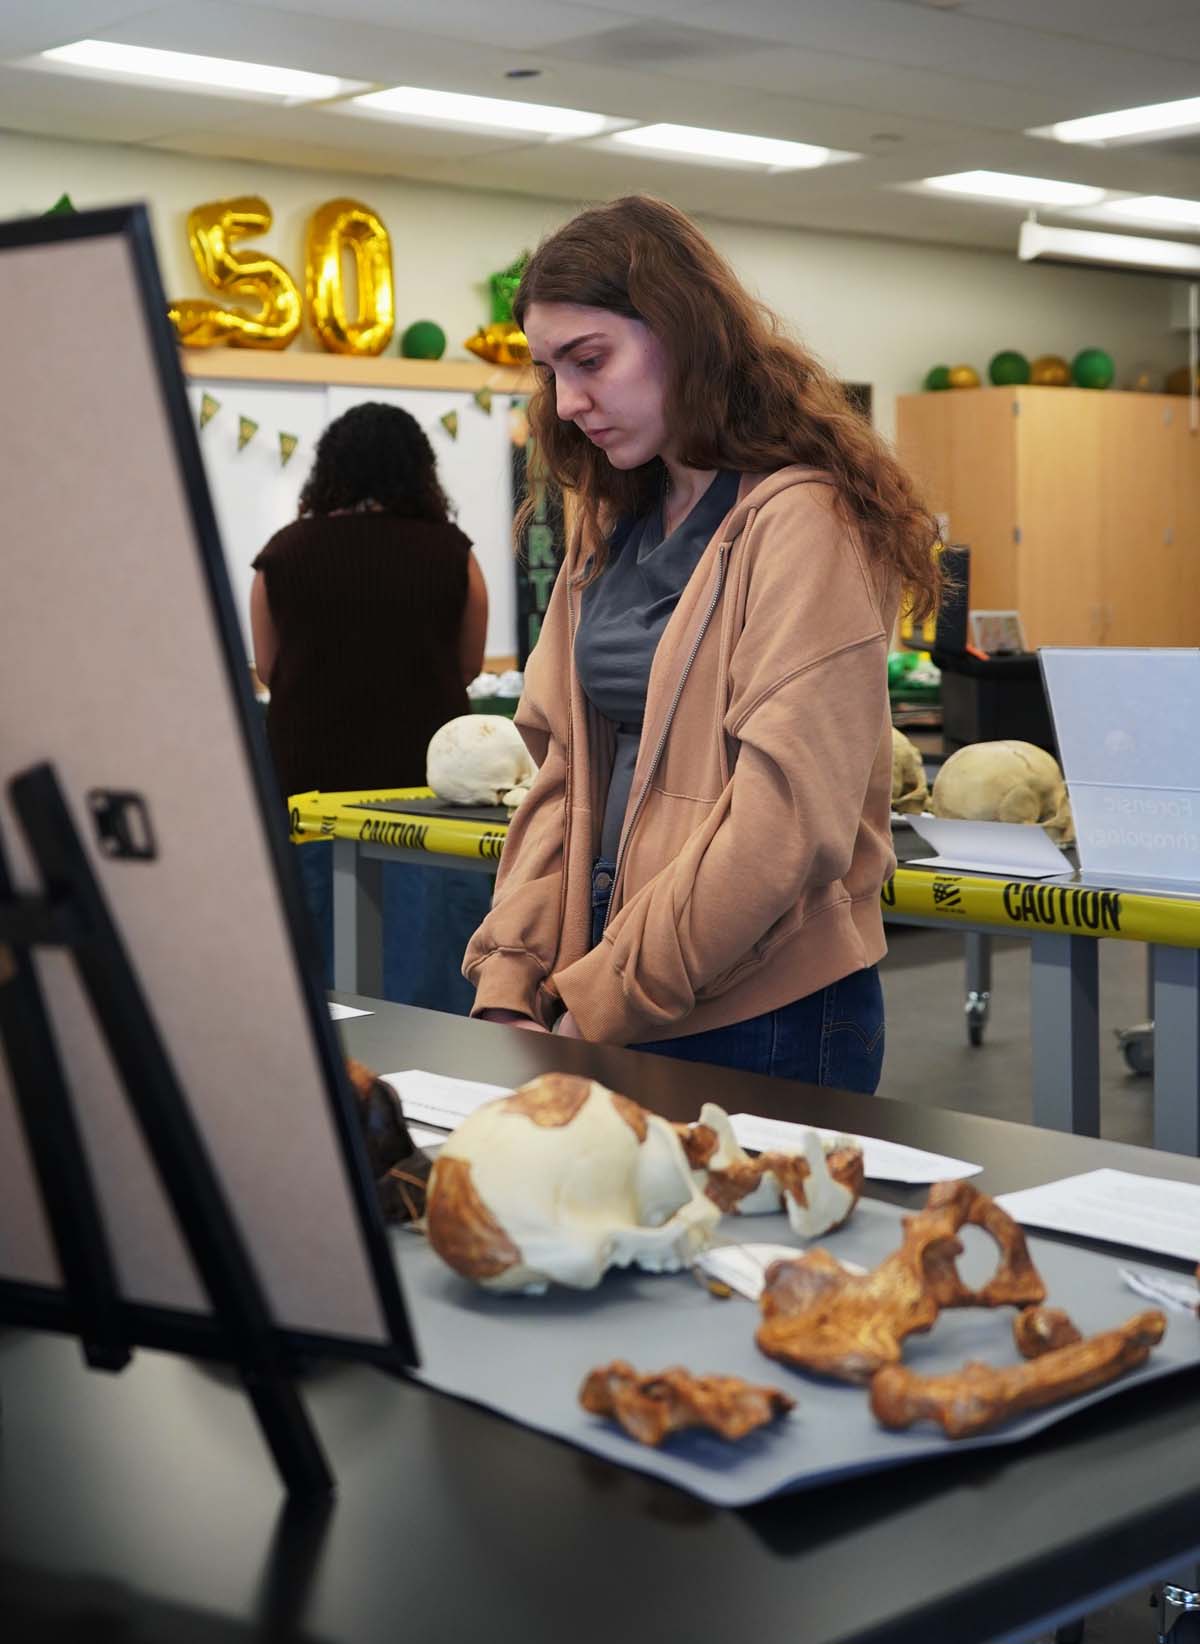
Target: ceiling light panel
[1004,185]
[728,148]
[422,106]
[1039,242]
[107,60]
[1127,125]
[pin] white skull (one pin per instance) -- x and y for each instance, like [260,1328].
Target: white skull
[559,1182]
[821,1202]
[909,792]
[479,759]
[1005,782]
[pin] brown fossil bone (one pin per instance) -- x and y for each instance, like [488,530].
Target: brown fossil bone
[980,1396]
[652,1407]
[1038,1330]
[819,1317]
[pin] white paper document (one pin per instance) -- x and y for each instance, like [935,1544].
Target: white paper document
[1144,1212]
[341,1012]
[884,1161]
[435,1099]
[989,847]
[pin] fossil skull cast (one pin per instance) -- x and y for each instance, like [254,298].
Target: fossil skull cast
[909,792]
[817,1186]
[1005,782]
[559,1182]
[479,759]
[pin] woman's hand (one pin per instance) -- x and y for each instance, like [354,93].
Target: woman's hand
[567,1027]
[511,1018]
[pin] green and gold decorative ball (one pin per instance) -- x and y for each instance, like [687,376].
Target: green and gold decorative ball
[964,376]
[1008,369]
[937,378]
[1050,371]
[1093,368]
[424,340]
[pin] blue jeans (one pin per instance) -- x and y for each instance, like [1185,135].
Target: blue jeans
[429,916]
[834,1037]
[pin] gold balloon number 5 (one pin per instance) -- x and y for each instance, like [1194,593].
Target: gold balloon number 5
[245,275]
[338,226]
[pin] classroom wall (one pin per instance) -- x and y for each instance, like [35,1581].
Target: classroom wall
[876,310]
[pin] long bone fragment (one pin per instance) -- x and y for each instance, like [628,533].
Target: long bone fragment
[980,1396]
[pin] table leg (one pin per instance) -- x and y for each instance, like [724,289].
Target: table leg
[979,983]
[1064,1013]
[1177,1049]
[357,920]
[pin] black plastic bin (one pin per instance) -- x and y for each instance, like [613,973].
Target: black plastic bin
[988,700]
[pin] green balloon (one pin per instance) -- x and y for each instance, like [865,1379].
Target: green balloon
[503,286]
[1008,368]
[937,377]
[423,341]
[1092,368]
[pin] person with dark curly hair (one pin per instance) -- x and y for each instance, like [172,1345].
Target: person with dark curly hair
[368,612]
[368,615]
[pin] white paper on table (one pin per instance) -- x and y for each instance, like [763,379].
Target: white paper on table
[989,847]
[743,1267]
[341,1012]
[436,1099]
[884,1161]
[426,1138]
[1144,1212]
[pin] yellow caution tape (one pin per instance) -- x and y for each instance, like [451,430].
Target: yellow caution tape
[1032,906]
[316,816]
[1024,905]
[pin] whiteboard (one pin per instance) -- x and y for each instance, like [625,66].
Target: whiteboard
[255,494]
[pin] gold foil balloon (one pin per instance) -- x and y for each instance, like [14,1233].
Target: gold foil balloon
[241,275]
[332,228]
[1050,371]
[963,376]
[502,343]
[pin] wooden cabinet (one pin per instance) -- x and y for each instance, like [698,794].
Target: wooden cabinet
[1081,509]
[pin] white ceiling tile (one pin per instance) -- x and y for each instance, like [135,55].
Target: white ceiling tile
[517,25]
[36,25]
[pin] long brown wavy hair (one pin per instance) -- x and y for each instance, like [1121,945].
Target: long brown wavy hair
[742,395]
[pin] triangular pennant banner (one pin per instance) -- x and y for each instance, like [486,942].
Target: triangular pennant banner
[450,423]
[247,428]
[483,399]
[287,448]
[208,409]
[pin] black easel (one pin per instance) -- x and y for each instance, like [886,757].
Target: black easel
[72,914]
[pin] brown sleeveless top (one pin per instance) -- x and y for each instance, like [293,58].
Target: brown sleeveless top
[368,609]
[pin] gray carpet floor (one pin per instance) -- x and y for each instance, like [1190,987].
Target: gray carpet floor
[929,1060]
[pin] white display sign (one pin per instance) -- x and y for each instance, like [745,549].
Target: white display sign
[1125,721]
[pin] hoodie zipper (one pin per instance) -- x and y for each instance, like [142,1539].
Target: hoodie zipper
[631,821]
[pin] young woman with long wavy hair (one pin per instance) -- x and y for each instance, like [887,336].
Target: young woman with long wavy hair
[698,867]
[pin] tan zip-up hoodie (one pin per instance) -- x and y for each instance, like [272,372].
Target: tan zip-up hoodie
[757,838]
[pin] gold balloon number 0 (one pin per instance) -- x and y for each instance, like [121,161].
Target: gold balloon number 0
[339,226]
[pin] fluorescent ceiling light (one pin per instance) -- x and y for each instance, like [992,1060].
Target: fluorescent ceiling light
[1002,185]
[698,143]
[1125,125]
[182,68]
[453,108]
[1039,243]
[1154,208]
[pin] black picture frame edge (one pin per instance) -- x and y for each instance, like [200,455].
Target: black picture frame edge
[131,224]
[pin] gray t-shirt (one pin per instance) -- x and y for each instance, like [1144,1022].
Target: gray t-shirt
[622,618]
